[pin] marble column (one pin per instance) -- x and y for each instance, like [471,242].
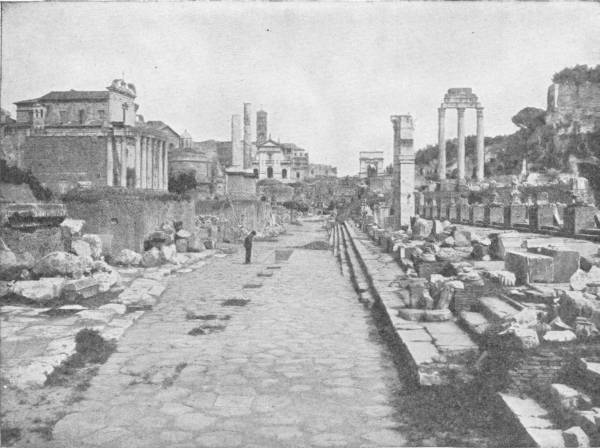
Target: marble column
[142,162]
[441,143]
[480,144]
[166,168]
[161,148]
[123,162]
[149,153]
[138,162]
[461,144]
[110,166]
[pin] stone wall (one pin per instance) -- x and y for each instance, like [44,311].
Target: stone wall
[573,105]
[250,214]
[129,218]
[38,242]
[60,162]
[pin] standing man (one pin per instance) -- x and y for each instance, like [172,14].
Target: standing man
[248,245]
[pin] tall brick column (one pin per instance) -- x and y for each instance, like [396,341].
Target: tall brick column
[403,170]
[247,136]
[237,151]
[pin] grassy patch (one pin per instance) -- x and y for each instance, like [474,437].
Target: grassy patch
[9,436]
[235,302]
[90,348]
[206,329]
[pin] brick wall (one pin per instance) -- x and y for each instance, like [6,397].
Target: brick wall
[38,242]
[129,218]
[62,161]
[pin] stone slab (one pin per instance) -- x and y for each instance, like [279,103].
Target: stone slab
[529,267]
[495,308]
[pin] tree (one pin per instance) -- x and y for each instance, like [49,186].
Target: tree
[182,182]
[529,118]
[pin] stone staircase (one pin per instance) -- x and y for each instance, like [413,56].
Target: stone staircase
[438,353]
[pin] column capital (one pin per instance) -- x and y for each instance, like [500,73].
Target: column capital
[441,111]
[480,112]
[460,111]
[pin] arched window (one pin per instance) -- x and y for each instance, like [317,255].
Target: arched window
[284,173]
[270,172]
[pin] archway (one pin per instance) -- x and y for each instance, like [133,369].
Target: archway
[284,173]
[371,171]
[270,172]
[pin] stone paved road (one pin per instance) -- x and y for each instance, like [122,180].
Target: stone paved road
[300,364]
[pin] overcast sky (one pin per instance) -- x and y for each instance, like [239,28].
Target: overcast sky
[329,74]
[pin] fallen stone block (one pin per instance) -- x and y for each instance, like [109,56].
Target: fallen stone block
[576,437]
[128,257]
[82,288]
[72,227]
[565,262]
[81,248]
[529,267]
[60,264]
[181,244]
[566,399]
[439,315]
[106,280]
[412,314]
[508,242]
[151,258]
[559,336]
[42,290]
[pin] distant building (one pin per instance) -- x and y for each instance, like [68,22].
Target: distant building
[91,138]
[285,162]
[321,170]
[199,159]
[371,164]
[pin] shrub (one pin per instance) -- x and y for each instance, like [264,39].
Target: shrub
[16,176]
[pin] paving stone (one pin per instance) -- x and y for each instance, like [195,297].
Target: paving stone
[194,421]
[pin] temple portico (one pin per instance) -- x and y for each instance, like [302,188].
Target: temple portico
[136,160]
[460,99]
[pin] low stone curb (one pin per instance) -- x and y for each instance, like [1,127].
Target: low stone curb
[439,353]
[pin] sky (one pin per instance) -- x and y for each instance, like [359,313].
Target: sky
[329,75]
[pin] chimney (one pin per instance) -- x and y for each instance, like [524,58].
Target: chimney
[247,136]
[237,151]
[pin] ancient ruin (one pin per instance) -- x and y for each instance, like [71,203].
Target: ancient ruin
[460,99]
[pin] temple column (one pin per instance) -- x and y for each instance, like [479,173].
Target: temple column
[142,162]
[138,162]
[461,144]
[441,143]
[149,164]
[480,144]
[161,147]
[123,162]
[166,168]
[153,164]
[110,165]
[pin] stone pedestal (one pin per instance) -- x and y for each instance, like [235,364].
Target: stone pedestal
[495,215]
[579,217]
[452,213]
[464,213]
[516,215]
[477,214]
[541,217]
[443,210]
